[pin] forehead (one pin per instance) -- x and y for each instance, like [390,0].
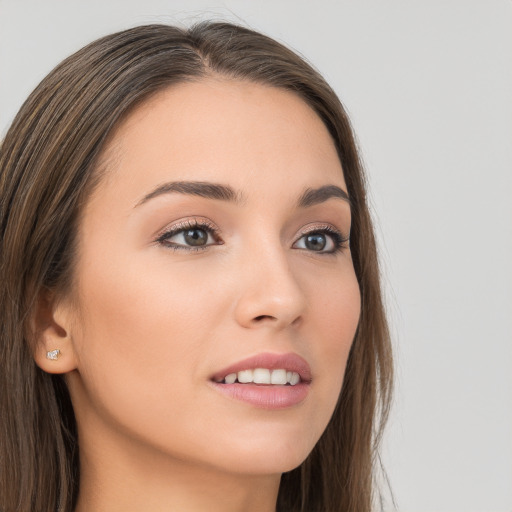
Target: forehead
[224,130]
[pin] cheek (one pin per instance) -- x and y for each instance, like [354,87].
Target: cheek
[335,302]
[140,332]
[336,310]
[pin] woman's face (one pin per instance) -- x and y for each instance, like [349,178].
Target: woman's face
[215,244]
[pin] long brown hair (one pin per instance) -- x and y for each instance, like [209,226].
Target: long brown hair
[48,166]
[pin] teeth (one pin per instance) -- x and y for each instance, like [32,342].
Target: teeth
[245,376]
[278,377]
[295,379]
[263,376]
[230,379]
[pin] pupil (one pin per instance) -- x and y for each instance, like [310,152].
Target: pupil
[316,242]
[196,237]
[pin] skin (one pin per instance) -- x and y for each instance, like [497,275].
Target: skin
[148,325]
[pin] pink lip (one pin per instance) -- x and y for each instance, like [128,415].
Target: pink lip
[266,396]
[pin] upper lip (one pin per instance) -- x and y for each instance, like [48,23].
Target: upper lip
[291,362]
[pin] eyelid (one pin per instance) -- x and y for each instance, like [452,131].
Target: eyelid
[322,226]
[184,224]
[339,238]
[162,237]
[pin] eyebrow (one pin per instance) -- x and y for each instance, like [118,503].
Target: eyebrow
[195,188]
[309,197]
[313,196]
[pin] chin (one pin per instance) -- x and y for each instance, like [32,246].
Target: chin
[268,457]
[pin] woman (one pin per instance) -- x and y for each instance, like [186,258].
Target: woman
[191,311]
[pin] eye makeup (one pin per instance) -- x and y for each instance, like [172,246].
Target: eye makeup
[197,235]
[200,234]
[333,239]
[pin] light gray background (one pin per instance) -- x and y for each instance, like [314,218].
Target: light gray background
[428,86]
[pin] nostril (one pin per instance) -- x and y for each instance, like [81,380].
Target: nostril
[263,317]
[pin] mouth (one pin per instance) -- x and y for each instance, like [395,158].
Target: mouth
[266,368]
[268,381]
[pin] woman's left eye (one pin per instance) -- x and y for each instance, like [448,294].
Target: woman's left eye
[322,241]
[190,236]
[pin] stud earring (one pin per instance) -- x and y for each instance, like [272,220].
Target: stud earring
[53,354]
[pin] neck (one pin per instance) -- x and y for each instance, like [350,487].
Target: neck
[117,475]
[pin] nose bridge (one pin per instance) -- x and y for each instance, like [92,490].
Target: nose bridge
[270,292]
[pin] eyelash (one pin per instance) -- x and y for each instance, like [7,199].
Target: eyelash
[185,226]
[339,240]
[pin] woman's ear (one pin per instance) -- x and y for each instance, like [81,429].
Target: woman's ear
[51,334]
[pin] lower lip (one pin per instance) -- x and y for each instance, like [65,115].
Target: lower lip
[265,396]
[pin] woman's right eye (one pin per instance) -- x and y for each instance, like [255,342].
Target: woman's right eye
[191,236]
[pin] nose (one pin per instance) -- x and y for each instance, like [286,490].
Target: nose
[270,295]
